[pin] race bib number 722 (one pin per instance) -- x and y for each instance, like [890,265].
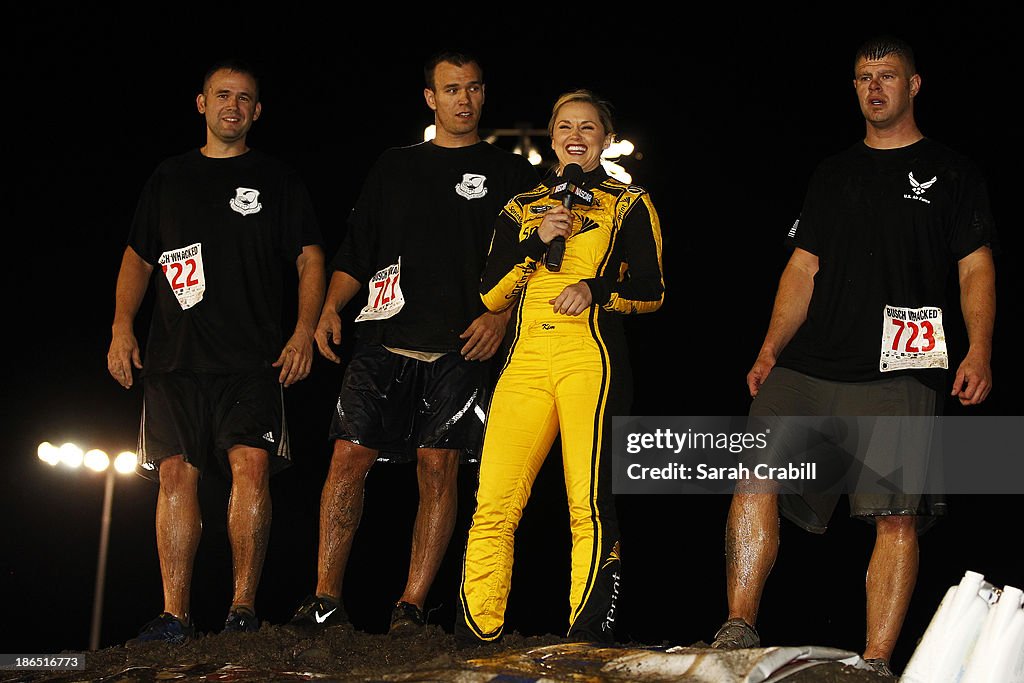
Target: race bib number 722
[912,339]
[385,298]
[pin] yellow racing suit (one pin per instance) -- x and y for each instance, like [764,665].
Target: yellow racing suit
[563,374]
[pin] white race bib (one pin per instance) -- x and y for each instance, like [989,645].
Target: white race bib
[385,298]
[183,269]
[912,339]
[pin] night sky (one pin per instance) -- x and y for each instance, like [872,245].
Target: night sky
[730,116]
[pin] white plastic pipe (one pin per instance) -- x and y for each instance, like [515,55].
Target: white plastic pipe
[950,638]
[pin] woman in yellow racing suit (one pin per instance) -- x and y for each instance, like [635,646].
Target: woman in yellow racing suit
[567,370]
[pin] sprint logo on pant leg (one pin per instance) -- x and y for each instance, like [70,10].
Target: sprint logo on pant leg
[609,618]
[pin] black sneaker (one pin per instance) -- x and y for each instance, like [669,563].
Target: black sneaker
[736,634]
[241,620]
[881,667]
[166,628]
[318,612]
[406,619]
[465,638]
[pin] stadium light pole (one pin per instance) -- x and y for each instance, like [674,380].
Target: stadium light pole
[71,456]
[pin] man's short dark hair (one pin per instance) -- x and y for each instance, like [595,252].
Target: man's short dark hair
[883,46]
[452,57]
[233,64]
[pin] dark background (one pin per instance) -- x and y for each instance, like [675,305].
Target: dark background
[730,113]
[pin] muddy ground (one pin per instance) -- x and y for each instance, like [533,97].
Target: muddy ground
[337,654]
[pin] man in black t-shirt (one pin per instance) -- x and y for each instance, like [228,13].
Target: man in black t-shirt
[856,330]
[419,378]
[220,222]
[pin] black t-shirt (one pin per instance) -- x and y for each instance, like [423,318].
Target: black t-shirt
[419,233]
[887,225]
[218,233]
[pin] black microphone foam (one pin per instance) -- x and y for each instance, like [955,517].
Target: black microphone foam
[573,173]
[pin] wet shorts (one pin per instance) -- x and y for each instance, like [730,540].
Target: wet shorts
[395,404]
[858,443]
[200,414]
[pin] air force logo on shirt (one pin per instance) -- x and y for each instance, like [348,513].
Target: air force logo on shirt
[246,201]
[919,188]
[472,186]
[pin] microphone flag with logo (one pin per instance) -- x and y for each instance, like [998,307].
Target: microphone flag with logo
[568,190]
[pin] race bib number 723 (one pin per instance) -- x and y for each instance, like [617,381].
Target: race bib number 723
[912,339]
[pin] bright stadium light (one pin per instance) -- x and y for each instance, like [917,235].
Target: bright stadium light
[125,462]
[48,453]
[616,171]
[96,460]
[72,456]
[429,133]
[619,148]
[524,133]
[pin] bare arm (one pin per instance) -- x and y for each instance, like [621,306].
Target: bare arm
[328,330]
[977,274]
[484,335]
[790,311]
[296,357]
[132,282]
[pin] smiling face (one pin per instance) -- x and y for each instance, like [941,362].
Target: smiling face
[457,99]
[229,104]
[886,91]
[578,136]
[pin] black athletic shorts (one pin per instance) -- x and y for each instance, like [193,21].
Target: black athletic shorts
[855,440]
[200,414]
[395,404]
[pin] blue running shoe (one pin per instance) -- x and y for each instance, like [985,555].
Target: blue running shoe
[166,628]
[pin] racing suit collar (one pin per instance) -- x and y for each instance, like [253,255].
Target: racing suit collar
[590,178]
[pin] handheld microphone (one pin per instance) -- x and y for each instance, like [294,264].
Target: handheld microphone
[568,191]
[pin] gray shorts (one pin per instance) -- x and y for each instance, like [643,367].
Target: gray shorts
[846,428]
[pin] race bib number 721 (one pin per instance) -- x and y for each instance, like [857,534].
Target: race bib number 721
[385,298]
[912,339]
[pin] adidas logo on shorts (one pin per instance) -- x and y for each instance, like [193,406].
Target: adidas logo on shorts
[269,437]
